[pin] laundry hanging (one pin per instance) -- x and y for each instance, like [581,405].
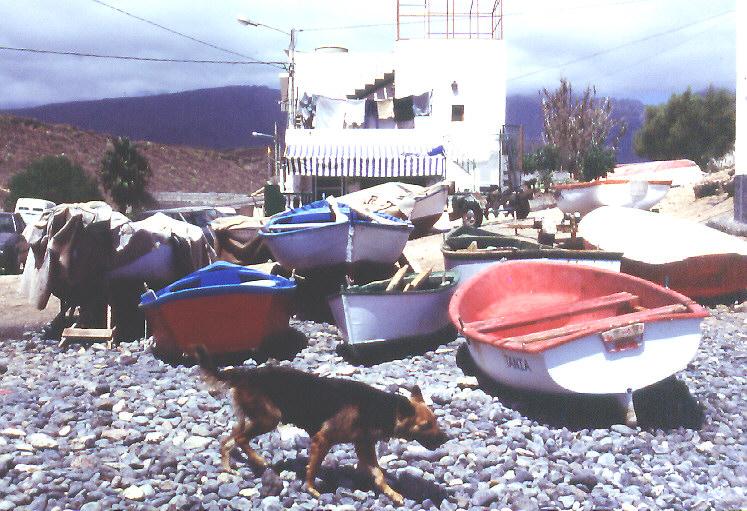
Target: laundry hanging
[330,113]
[421,104]
[385,109]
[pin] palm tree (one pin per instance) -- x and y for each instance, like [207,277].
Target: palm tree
[124,174]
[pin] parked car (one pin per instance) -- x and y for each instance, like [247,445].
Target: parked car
[32,209]
[13,246]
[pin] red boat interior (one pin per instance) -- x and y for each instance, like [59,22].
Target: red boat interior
[534,306]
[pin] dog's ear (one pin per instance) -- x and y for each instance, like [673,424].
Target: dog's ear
[416,394]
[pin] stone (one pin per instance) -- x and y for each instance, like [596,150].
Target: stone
[133,493]
[197,442]
[41,441]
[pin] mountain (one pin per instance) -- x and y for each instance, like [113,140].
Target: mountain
[223,118]
[219,118]
[527,111]
[175,168]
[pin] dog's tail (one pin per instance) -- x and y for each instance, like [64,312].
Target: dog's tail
[210,371]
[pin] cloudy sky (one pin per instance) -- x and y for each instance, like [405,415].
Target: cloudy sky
[643,49]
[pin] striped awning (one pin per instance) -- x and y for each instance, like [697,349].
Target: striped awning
[362,158]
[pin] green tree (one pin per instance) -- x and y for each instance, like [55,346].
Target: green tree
[53,178]
[597,161]
[693,126]
[573,124]
[124,174]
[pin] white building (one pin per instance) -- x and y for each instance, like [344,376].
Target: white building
[434,108]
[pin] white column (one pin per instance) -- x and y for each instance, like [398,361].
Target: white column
[740,193]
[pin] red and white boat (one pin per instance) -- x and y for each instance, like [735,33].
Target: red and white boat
[686,256]
[584,197]
[679,172]
[563,328]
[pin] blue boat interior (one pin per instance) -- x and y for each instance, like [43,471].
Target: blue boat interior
[320,212]
[219,278]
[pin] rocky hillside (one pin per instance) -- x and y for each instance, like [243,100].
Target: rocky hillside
[175,168]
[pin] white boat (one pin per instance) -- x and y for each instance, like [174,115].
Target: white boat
[575,329]
[468,250]
[420,205]
[327,233]
[584,197]
[369,314]
[686,256]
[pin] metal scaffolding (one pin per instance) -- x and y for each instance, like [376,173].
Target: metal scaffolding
[450,19]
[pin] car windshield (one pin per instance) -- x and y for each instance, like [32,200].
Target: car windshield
[6,224]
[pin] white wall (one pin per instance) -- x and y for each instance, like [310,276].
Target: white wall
[477,66]
[336,75]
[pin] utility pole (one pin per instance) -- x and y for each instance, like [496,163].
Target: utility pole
[740,146]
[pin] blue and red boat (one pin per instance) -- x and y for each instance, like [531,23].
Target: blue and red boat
[225,307]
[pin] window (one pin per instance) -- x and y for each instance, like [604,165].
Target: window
[457,112]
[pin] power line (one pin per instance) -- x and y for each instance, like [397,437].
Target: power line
[176,32]
[618,47]
[143,59]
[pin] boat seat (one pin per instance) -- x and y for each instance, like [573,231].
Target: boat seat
[597,325]
[513,319]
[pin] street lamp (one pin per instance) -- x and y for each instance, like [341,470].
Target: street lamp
[275,149]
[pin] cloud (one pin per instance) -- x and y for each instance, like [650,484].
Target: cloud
[541,35]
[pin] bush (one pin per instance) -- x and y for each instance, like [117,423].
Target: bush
[597,162]
[53,178]
[693,126]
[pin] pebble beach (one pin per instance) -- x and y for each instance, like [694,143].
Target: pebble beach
[89,428]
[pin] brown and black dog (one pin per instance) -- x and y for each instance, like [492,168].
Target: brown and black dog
[331,410]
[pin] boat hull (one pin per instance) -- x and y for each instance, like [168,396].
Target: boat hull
[685,256]
[375,318]
[227,323]
[585,197]
[428,209]
[314,236]
[225,307]
[507,248]
[584,366]
[468,269]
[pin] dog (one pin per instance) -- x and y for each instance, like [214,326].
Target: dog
[331,410]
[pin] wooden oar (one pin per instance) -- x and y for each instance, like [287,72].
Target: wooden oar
[397,279]
[418,281]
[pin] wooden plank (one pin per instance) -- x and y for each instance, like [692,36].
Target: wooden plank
[397,279]
[552,312]
[599,324]
[88,333]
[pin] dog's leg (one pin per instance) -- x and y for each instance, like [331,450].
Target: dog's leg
[366,451]
[259,425]
[228,443]
[320,446]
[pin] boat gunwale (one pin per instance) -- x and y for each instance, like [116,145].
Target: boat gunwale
[359,291]
[589,184]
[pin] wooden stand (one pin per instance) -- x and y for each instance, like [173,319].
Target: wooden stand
[90,334]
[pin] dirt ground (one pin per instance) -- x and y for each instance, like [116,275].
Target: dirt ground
[17,315]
